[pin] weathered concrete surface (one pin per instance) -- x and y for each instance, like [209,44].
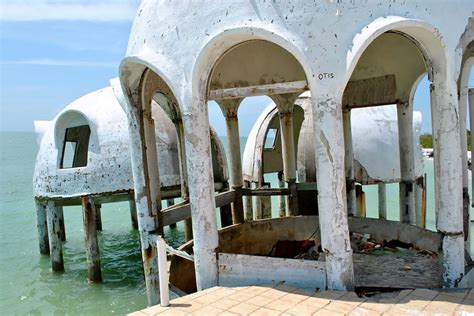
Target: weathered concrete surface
[280,38]
[42,224]
[54,232]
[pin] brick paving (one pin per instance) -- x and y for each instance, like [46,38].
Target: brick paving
[285,300]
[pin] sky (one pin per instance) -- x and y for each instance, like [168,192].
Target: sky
[53,52]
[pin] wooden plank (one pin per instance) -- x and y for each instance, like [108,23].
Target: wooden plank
[176,213]
[179,253]
[370,92]
[225,198]
[265,191]
[266,89]
[242,270]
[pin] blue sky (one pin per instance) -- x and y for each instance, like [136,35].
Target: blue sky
[52,52]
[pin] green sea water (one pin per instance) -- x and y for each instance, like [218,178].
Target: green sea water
[27,285]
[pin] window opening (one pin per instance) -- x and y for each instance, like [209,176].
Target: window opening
[270,138]
[75,147]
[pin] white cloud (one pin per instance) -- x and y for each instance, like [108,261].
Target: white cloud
[60,63]
[73,10]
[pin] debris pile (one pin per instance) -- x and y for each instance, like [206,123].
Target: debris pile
[364,243]
[360,243]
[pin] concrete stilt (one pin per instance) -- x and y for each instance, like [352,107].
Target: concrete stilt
[328,135]
[133,213]
[89,213]
[54,232]
[382,194]
[146,178]
[349,163]
[42,224]
[285,104]
[230,108]
[188,228]
[281,198]
[448,184]
[471,121]
[201,192]
[248,205]
[465,170]
[62,226]
[407,162]
[98,216]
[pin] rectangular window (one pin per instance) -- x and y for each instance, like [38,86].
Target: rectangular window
[75,147]
[270,138]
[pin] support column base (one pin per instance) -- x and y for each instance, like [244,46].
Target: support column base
[453,259]
[340,271]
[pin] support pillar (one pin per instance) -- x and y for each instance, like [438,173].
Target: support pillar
[89,213]
[62,226]
[349,164]
[285,104]
[42,224]
[281,198]
[465,170]
[188,226]
[332,202]
[248,205]
[201,191]
[54,232]
[448,173]
[382,194]
[98,216]
[133,213]
[147,193]
[230,108]
[407,162]
[471,120]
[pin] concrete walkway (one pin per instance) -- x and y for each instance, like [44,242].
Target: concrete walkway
[284,300]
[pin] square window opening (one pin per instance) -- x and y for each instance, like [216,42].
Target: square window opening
[75,147]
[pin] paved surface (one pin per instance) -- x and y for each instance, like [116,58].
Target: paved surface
[284,300]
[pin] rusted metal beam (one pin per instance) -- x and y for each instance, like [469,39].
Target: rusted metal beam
[267,89]
[89,213]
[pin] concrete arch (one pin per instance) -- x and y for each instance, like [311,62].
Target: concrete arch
[423,34]
[220,44]
[445,121]
[132,71]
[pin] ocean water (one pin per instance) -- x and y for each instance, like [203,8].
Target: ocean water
[27,285]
